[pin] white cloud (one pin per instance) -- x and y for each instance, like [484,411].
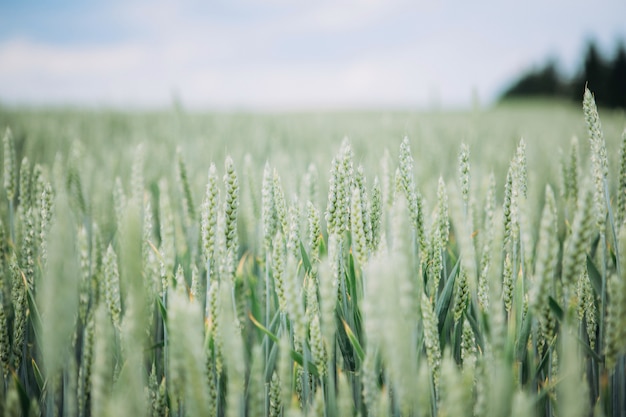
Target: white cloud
[22,56]
[404,75]
[312,55]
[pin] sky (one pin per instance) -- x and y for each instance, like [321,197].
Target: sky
[289,55]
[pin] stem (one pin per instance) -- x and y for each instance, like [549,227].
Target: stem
[267,324]
[12,220]
[207,307]
[343,284]
[603,295]
[363,289]
[305,380]
[356,392]
[232,296]
[165,347]
[267,399]
[612,223]
[323,387]
[619,376]
[283,322]
[218,403]
[445,272]
[267,290]
[522,263]
[548,402]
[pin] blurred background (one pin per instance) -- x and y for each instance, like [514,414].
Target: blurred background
[279,55]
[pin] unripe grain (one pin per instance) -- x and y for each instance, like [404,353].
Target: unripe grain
[376,212]
[293,238]
[209,220]
[112,286]
[574,256]
[359,241]
[431,339]
[276,405]
[269,214]
[315,231]
[24,190]
[599,159]
[10,170]
[231,208]
[621,191]
[464,175]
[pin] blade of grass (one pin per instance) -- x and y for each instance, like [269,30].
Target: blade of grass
[545,359]
[34,313]
[300,361]
[39,379]
[445,298]
[594,276]
[556,308]
[270,365]
[162,309]
[522,341]
[263,328]
[305,259]
[358,349]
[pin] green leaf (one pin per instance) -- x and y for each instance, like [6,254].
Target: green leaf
[351,277]
[300,361]
[263,328]
[594,276]
[271,363]
[154,346]
[445,298]
[41,382]
[256,307]
[322,246]
[358,349]
[589,351]
[345,345]
[305,259]
[162,309]
[458,335]
[274,328]
[476,328]
[23,394]
[556,308]
[34,313]
[522,340]
[544,360]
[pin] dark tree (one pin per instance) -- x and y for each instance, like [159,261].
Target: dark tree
[616,94]
[594,76]
[543,82]
[605,78]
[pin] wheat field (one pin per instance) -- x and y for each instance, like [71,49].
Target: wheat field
[345,264]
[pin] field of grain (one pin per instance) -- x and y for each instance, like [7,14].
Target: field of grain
[314,264]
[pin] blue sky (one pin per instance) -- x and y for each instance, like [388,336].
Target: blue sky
[279,54]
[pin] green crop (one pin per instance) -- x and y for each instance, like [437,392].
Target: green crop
[474,275]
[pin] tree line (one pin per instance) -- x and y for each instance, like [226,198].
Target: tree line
[605,77]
